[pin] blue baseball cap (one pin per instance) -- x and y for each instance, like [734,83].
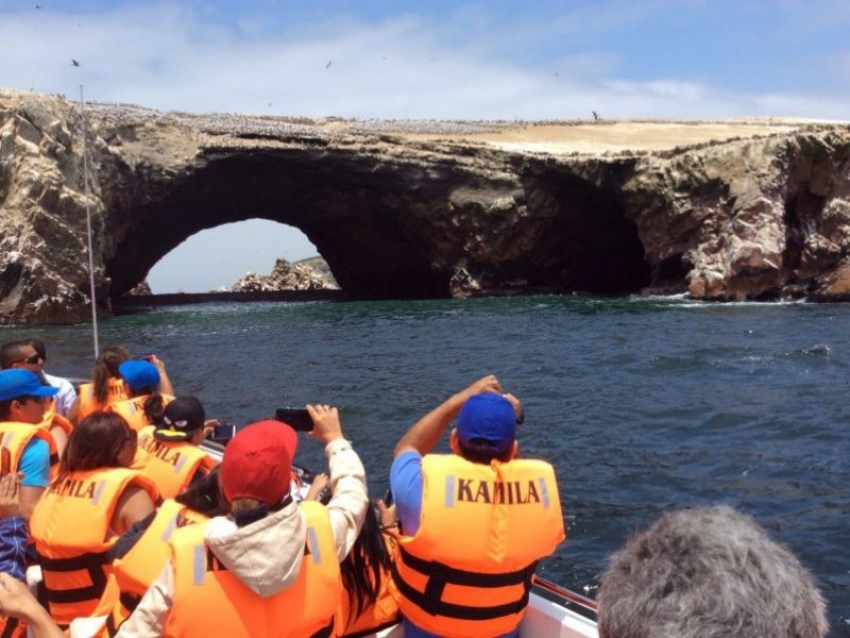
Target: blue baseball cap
[139,374]
[488,416]
[17,382]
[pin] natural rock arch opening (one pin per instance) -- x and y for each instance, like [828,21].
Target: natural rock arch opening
[396,229]
[215,259]
[348,211]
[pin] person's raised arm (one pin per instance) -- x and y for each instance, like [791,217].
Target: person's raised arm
[349,500]
[17,601]
[165,386]
[426,432]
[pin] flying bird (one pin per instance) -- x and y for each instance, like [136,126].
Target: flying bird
[328,65]
[75,63]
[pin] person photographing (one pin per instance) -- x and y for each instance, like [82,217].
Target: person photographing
[473,523]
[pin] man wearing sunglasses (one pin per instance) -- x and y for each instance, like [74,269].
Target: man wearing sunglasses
[31,354]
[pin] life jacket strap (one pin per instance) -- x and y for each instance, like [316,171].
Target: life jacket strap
[91,562]
[439,575]
[11,626]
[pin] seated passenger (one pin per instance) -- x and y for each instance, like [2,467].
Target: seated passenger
[27,448]
[146,405]
[367,605]
[67,394]
[106,386]
[472,580]
[141,553]
[95,498]
[23,355]
[168,453]
[708,572]
[271,566]
[31,354]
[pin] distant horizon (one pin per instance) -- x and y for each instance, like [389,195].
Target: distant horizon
[777,118]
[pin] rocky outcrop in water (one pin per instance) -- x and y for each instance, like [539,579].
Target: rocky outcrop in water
[734,210]
[307,274]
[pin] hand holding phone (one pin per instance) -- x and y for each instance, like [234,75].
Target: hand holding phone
[224,431]
[297,418]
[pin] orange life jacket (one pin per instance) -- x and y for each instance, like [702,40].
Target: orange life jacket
[374,617]
[71,528]
[12,627]
[469,568]
[52,419]
[133,573]
[210,601]
[14,437]
[116,390]
[133,410]
[171,465]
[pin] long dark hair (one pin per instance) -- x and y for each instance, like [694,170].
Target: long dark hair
[154,408]
[106,368]
[364,567]
[97,441]
[204,495]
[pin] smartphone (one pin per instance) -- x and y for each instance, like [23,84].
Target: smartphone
[224,431]
[297,418]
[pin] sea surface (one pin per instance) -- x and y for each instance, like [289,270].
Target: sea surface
[642,404]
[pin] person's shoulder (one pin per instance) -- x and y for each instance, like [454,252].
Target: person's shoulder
[406,458]
[59,382]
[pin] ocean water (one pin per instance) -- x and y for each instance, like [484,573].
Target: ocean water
[642,404]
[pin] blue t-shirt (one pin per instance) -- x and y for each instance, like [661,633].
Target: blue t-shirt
[406,486]
[35,464]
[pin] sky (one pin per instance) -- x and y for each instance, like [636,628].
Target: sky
[398,59]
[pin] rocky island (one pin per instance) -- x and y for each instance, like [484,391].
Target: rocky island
[748,209]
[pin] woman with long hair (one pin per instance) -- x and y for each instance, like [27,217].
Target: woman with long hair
[95,498]
[366,605]
[106,385]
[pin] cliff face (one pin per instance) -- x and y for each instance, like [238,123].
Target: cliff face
[417,209]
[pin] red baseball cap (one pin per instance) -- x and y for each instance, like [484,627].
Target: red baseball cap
[257,462]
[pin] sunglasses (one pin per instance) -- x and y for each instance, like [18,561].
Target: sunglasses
[36,358]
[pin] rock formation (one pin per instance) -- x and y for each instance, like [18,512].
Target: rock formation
[726,211]
[307,274]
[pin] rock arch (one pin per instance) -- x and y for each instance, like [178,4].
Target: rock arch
[423,209]
[418,224]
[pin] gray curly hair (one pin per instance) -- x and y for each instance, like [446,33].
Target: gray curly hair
[708,572]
